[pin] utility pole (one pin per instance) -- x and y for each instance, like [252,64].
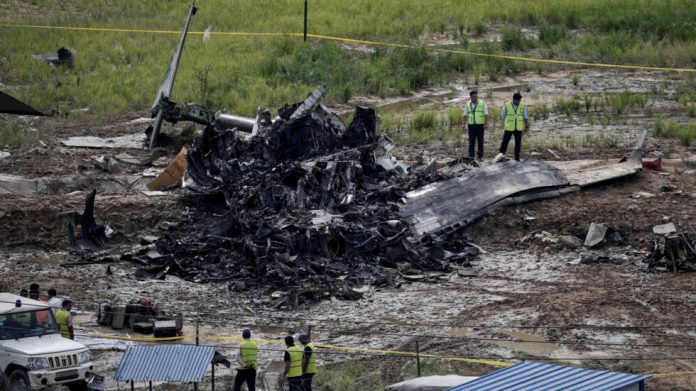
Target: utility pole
[305,20]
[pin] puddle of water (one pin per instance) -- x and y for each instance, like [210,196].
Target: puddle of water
[537,348]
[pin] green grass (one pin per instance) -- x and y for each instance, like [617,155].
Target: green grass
[685,133]
[119,72]
[512,38]
[552,34]
[351,376]
[12,135]
[567,106]
[624,100]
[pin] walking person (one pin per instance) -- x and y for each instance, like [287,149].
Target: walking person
[476,117]
[514,115]
[65,321]
[247,360]
[309,362]
[293,365]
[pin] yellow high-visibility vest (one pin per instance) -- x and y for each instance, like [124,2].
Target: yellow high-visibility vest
[312,365]
[475,113]
[295,353]
[62,319]
[514,120]
[248,354]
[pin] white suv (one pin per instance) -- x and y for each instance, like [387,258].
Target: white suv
[33,354]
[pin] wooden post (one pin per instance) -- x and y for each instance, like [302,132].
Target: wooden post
[213,368]
[197,324]
[150,385]
[418,359]
[132,385]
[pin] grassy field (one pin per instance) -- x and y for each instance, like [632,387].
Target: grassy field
[120,72]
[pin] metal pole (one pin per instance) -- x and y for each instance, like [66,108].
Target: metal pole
[305,20]
[197,324]
[418,358]
[213,368]
[150,385]
[132,385]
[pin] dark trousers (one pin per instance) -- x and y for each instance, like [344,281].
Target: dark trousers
[307,382]
[518,143]
[245,375]
[295,383]
[476,135]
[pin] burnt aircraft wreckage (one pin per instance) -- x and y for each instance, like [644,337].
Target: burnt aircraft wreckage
[303,207]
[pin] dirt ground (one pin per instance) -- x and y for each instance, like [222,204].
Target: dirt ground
[526,277]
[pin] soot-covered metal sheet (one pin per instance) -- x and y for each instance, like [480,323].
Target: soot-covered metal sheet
[10,105]
[458,201]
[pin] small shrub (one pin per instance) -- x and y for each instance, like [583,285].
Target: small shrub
[455,117]
[567,106]
[540,112]
[551,35]
[480,28]
[575,79]
[423,120]
[691,110]
[512,38]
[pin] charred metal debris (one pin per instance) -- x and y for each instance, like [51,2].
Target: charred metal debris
[310,209]
[676,252]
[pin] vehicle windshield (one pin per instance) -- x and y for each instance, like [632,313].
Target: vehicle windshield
[27,324]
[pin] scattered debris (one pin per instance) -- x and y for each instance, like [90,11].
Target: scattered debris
[63,57]
[135,141]
[600,234]
[172,175]
[643,194]
[664,229]
[570,241]
[142,317]
[655,164]
[309,214]
[93,235]
[677,252]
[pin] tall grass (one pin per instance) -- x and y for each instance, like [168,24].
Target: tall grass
[685,133]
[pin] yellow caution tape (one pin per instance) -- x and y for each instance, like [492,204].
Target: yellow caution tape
[359,41]
[349,349]
[669,374]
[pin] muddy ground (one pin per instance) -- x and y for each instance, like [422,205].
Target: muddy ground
[527,286]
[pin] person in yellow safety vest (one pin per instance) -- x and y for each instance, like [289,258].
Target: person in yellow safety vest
[293,365]
[309,362]
[476,118]
[246,358]
[65,321]
[514,116]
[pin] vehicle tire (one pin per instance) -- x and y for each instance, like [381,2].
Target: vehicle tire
[4,383]
[19,381]
[78,386]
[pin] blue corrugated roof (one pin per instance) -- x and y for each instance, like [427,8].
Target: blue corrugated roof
[548,377]
[176,363]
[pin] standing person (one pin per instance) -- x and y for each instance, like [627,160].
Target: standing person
[65,320]
[34,291]
[55,302]
[246,358]
[476,117]
[309,362]
[514,115]
[293,365]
